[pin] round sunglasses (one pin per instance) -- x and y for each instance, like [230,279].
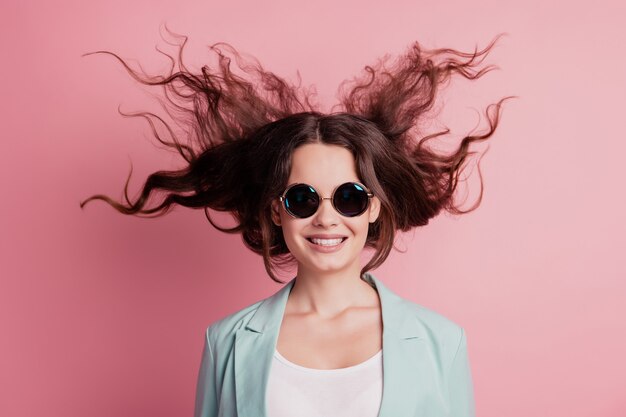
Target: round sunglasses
[350,199]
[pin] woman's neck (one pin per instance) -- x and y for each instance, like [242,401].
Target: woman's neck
[328,295]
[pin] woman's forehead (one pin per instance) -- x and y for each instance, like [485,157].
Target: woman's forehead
[323,165]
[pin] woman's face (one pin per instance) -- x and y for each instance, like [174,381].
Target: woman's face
[324,167]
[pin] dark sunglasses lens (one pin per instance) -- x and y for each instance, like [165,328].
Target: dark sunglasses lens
[301,200]
[350,199]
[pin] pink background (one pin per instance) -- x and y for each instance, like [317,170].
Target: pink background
[103,314]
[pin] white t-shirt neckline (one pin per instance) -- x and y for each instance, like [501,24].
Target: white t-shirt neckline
[367,362]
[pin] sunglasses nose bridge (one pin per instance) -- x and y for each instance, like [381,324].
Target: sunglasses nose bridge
[319,206]
[322,200]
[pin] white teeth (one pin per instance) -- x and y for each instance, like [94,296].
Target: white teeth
[326,242]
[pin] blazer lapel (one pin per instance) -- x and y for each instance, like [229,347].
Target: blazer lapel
[409,377]
[254,351]
[407,363]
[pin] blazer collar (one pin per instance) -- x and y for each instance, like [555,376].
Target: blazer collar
[407,374]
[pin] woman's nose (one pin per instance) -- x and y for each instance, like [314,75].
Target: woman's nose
[326,213]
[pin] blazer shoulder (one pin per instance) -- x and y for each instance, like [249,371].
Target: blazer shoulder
[235,320]
[222,329]
[443,331]
[417,319]
[434,318]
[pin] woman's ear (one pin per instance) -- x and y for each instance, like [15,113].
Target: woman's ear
[276,212]
[374,210]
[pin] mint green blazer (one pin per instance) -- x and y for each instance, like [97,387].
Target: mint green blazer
[426,371]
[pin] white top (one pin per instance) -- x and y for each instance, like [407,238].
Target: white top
[297,391]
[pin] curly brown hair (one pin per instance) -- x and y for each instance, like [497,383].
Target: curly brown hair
[242,132]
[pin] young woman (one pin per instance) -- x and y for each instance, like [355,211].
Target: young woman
[315,189]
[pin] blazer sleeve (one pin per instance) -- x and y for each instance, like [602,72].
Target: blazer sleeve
[206,390]
[460,385]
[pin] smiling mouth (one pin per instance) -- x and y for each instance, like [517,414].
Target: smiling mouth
[327,242]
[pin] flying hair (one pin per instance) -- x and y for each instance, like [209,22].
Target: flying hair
[241,130]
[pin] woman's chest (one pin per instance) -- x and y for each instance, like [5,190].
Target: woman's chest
[331,344]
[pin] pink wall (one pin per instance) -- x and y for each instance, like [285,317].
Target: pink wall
[103,315]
